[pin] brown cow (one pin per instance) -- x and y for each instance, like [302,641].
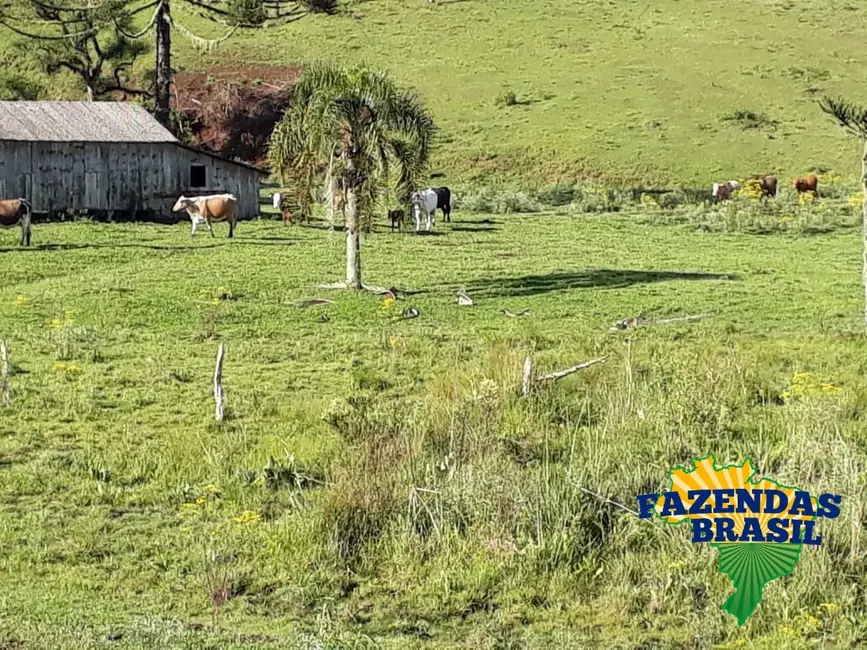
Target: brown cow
[16,212]
[723,191]
[768,185]
[213,208]
[808,184]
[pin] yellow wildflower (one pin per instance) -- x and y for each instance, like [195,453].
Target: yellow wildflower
[201,500]
[856,200]
[21,300]
[807,384]
[393,341]
[68,368]
[387,303]
[211,488]
[247,517]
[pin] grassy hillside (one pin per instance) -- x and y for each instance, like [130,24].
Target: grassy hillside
[378,483]
[628,90]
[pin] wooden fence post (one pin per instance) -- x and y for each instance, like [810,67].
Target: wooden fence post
[4,373]
[218,385]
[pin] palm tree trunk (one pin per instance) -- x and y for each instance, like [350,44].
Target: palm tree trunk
[353,240]
[164,63]
[864,225]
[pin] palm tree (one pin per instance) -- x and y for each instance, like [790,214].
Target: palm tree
[363,130]
[853,118]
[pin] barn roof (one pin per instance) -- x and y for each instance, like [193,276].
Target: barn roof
[63,121]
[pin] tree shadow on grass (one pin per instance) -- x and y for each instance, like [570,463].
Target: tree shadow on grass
[529,285]
[474,229]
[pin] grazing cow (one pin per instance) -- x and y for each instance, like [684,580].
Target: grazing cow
[396,218]
[808,184]
[723,191]
[444,202]
[279,201]
[214,208]
[16,212]
[424,201]
[768,185]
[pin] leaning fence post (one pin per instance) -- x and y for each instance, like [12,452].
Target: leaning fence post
[4,373]
[218,385]
[527,376]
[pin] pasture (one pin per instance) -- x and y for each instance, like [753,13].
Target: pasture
[378,482]
[680,91]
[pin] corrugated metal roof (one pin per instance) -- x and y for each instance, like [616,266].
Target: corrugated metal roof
[80,122]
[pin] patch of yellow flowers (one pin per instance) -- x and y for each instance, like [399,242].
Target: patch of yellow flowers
[806,198]
[807,384]
[67,368]
[386,304]
[60,323]
[648,202]
[751,189]
[247,517]
[21,300]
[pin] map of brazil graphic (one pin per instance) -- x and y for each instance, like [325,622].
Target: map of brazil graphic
[759,527]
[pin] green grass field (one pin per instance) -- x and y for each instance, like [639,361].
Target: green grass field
[378,482]
[630,91]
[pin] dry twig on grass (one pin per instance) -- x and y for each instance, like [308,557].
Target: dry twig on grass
[528,379]
[638,321]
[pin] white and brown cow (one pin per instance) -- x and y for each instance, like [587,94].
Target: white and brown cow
[214,208]
[724,191]
[16,212]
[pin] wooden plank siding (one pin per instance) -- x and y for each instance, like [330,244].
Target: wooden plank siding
[118,177]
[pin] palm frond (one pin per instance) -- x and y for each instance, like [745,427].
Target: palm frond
[850,116]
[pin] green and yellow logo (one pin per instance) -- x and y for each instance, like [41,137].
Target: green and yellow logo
[758,526]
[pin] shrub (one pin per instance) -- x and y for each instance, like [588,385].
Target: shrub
[321,6]
[506,99]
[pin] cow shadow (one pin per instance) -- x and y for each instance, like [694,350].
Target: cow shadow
[529,285]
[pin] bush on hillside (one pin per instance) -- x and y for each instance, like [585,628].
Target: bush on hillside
[321,6]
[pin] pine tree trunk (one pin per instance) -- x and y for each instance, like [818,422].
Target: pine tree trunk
[164,63]
[353,240]
[864,226]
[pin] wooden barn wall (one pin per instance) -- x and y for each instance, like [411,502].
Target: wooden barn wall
[117,177]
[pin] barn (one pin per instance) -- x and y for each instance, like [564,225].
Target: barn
[109,159]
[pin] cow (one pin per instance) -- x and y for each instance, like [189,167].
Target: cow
[768,185]
[723,191]
[16,212]
[396,218]
[214,208]
[424,201]
[444,202]
[808,184]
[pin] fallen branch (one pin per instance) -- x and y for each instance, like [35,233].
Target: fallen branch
[218,385]
[637,321]
[312,302]
[528,380]
[4,373]
[570,371]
